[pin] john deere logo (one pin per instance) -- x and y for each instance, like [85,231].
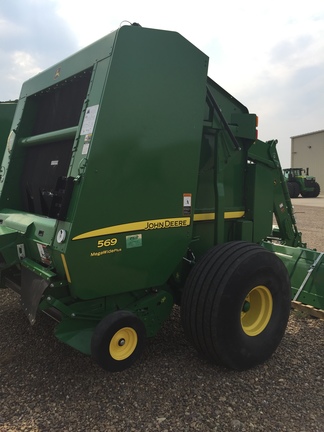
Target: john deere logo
[57,73]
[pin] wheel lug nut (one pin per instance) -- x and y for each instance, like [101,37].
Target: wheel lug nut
[246,306]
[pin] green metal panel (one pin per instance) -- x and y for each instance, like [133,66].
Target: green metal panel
[259,199]
[144,132]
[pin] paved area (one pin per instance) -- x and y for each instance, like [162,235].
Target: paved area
[309,202]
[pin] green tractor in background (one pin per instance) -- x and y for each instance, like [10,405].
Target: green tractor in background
[299,182]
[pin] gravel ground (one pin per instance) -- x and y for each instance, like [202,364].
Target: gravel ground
[47,386]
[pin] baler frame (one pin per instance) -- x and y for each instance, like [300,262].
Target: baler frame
[100,230]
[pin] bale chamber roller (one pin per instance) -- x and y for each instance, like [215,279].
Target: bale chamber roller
[136,190]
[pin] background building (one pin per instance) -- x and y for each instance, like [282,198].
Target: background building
[307,151]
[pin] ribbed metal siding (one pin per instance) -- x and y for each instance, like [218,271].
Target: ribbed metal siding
[307,151]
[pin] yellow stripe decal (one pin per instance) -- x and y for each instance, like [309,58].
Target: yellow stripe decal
[67,273]
[154,224]
[137,226]
[211,216]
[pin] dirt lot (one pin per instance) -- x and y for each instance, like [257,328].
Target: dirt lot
[47,386]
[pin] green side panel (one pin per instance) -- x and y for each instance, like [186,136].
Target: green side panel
[244,230]
[148,126]
[259,200]
[230,172]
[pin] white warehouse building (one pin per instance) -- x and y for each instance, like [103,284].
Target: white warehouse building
[307,151]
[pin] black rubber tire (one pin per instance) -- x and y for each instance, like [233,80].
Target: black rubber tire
[317,190]
[123,323]
[296,190]
[290,187]
[213,298]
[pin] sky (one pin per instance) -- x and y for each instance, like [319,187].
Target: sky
[268,55]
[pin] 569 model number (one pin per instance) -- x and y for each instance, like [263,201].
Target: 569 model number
[107,242]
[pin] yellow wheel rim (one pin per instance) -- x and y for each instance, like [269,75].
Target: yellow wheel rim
[123,343]
[256,310]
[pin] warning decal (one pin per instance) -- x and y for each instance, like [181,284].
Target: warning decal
[186,204]
[89,120]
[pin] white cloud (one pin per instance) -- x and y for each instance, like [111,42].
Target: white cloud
[266,54]
[8,29]
[32,39]
[23,67]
